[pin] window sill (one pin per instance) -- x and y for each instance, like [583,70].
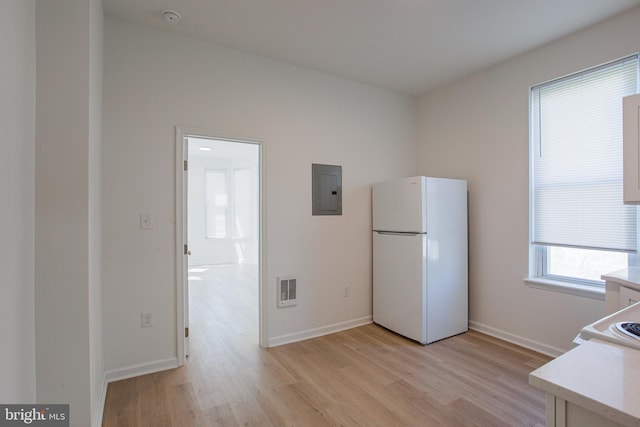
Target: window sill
[569,288]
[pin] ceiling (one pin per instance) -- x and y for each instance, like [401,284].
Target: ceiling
[410,46]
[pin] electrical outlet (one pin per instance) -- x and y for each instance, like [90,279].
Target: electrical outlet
[147,319]
[145,221]
[346,292]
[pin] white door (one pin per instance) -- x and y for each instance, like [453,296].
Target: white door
[400,205]
[399,283]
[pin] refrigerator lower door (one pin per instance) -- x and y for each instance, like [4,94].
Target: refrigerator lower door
[399,283]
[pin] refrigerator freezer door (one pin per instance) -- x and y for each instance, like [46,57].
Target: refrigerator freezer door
[400,205]
[399,283]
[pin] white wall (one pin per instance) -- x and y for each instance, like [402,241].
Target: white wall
[154,81]
[67,268]
[477,129]
[96,373]
[17,211]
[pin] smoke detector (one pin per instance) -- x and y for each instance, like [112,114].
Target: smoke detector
[171,16]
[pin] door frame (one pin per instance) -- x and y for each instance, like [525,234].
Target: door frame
[182,262]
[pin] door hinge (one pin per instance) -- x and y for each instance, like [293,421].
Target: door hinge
[186,249]
[186,165]
[186,332]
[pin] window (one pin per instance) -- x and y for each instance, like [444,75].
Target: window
[230,205]
[580,228]
[243,203]
[216,203]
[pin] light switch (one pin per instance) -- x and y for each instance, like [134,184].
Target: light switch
[147,319]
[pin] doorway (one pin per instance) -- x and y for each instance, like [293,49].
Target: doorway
[220,256]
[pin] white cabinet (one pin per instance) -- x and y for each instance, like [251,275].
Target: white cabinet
[622,289]
[631,136]
[562,413]
[628,297]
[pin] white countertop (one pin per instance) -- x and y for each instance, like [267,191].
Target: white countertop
[599,376]
[629,277]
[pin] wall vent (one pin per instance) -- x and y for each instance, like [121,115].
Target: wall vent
[287,291]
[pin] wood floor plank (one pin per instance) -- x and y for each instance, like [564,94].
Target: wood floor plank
[220,416]
[469,414]
[122,405]
[184,405]
[379,393]
[430,411]
[366,376]
[249,413]
[153,400]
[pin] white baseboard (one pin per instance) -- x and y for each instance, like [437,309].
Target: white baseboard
[141,369]
[518,340]
[318,332]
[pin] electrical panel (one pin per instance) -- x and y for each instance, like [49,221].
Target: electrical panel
[326,191]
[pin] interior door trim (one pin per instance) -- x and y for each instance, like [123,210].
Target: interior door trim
[181,201]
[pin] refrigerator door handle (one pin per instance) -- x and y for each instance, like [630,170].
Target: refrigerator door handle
[398,233]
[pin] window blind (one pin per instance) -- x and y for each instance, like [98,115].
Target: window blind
[576,161]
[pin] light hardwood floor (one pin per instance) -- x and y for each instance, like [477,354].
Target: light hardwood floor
[365,376]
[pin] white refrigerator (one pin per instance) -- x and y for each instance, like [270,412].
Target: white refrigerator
[420,257]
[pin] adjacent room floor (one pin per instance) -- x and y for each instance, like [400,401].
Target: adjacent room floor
[365,376]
